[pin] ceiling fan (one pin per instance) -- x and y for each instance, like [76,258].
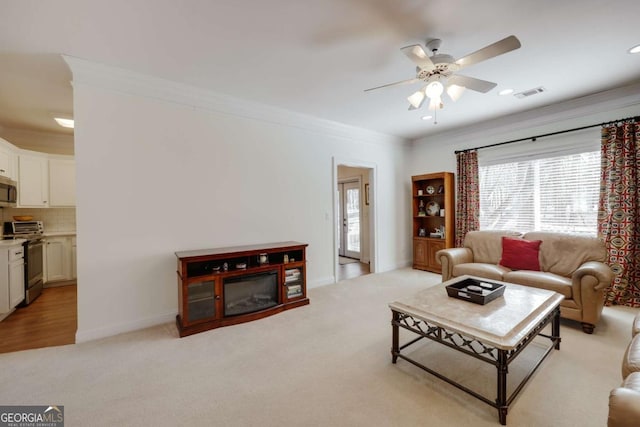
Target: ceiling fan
[438,71]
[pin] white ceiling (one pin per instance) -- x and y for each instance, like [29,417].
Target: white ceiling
[317,57]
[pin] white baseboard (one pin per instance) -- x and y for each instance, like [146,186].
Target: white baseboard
[328,280]
[94,334]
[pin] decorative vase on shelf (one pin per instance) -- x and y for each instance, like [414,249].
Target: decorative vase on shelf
[421,210]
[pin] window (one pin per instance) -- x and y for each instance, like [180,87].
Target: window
[544,194]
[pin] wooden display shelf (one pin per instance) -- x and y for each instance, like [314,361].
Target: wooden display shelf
[437,195]
[225,286]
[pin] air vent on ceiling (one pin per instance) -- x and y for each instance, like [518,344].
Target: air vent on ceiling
[529,92]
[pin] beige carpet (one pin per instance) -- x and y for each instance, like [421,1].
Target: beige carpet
[326,364]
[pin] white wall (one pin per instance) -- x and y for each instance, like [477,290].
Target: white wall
[437,153]
[161,170]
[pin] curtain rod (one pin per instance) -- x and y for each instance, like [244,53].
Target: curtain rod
[533,138]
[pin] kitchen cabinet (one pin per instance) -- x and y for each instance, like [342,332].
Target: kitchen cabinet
[58,259]
[33,181]
[62,182]
[45,181]
[6,162]
[11,276]
[16,281]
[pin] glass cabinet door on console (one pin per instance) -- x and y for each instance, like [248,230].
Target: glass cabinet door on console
[201,301]
[294,281]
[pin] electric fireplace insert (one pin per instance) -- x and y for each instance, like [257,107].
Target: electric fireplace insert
[249,293]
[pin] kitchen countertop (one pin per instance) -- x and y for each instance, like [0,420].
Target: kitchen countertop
[58,233]
[12,242]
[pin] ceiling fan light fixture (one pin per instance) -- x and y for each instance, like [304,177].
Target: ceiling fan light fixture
[635,49]
[455,91]
[434,90]
[504,92]
[436,104]
[416,99]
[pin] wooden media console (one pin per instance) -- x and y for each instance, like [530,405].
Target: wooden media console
[226,286]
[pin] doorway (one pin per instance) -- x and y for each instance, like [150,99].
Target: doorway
[354,221]
[349,211]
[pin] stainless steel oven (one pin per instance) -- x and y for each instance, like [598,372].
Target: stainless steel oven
[33,265]
[33,255]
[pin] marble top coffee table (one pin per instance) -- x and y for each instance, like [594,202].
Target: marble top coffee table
[495,333]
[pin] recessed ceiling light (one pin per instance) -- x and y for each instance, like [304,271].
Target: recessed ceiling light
[635,49]
[66,123]
[505,92]
[427,117]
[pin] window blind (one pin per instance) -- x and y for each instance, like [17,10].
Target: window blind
[533,191]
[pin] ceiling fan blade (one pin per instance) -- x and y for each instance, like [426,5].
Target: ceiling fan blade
[472,83]
[403,82]
[416,99]
[498,48]
[417,54]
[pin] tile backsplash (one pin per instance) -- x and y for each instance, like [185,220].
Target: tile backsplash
[53,219]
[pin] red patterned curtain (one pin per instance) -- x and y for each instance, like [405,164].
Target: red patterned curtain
[619,210]
[468,195]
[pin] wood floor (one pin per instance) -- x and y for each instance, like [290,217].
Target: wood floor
[50,320]
[351,270]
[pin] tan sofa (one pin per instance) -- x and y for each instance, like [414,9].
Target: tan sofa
[571,265]
[624,401]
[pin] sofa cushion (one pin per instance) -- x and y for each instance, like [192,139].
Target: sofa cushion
[542,280]
[487,271]
[624,403]
[635,327]
[562,253]
[632,381]
[520,254]
[631,359]
[486,246]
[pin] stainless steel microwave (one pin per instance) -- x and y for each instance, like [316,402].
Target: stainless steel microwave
[8,192]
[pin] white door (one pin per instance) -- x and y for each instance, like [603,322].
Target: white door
[349,198]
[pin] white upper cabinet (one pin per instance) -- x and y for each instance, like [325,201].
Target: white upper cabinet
[46,181]
[62,182]
[6,162]
[33,181]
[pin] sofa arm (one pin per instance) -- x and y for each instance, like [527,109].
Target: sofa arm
[589,282]
[448,258]
[624,403]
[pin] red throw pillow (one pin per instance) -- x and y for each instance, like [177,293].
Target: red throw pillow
[520,254]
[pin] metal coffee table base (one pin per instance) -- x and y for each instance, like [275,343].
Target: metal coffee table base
[500,358]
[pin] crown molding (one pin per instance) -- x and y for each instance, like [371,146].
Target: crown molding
[581,110]
[90,73]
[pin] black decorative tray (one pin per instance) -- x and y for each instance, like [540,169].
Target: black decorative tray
[481,292]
